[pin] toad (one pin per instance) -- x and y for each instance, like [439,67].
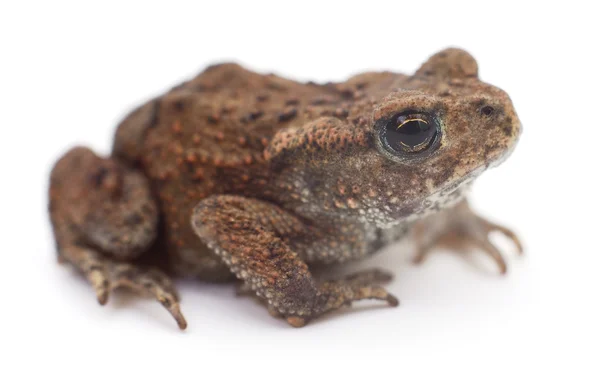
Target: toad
[240,175]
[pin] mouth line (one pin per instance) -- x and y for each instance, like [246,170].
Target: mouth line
[507,153]
[464,180]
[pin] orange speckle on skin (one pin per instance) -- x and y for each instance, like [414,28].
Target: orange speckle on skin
[199,174]
[339,204]
[178,149]
[176,127]
[191,158]
[352,203]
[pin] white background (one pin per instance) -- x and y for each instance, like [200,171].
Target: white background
[69,71]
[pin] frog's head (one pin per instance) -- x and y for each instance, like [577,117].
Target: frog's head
[421,146]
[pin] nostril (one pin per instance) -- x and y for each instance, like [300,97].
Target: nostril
[487,110]
[99,177]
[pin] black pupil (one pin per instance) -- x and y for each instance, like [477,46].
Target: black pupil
[410,133]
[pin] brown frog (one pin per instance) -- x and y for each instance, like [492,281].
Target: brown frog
[236,174]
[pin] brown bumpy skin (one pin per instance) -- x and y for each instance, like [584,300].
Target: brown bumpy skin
[236,174]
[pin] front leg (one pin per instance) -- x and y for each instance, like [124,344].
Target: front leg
[256,239]
[460,227]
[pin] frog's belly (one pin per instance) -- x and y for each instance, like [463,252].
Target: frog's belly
[378,238]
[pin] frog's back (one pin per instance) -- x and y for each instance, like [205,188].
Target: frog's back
[226,116]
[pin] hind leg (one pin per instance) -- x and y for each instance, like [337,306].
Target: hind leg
[104,217]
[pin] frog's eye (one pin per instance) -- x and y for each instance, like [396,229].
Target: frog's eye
[410,133]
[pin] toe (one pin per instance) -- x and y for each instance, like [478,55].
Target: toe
[100,284]
[491,250]
[419,256]
[382,276]
[296,321]
[491,227]
[513,237]
[375,276]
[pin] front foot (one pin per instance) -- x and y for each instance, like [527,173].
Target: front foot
[334,295]
[461,228]
[339,293]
